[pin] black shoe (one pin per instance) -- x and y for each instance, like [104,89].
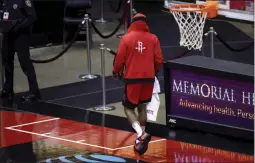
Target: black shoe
[7,95]
[31,98]
[141,144]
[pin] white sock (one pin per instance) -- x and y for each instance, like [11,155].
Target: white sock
[136,126]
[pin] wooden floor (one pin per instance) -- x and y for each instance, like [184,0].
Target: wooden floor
[21,128]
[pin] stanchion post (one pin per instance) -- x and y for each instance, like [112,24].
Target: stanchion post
[212,33]
[103,107]
[102,48]
[89,75]
[101,20]
[212,43]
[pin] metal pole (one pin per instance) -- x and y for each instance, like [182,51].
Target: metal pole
[88,43]
[103,107]
[89,75]
[101,20]
[103,72]
[212,43]
[212,33]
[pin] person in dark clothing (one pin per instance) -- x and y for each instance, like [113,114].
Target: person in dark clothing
[17,19]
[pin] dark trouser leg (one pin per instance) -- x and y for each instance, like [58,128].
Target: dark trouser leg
[8,58]
[22,47]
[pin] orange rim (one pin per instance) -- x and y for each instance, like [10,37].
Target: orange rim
[183,8]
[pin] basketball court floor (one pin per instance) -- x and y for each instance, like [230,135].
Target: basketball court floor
[30,137]
[64,128]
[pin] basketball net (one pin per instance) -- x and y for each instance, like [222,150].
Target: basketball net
[191,23]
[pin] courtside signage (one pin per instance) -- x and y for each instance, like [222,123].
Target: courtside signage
[211,99]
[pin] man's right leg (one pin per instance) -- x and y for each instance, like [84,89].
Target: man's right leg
[8,62]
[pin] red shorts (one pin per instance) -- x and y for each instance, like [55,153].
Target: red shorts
[137,93]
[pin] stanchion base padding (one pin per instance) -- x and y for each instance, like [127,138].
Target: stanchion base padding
[104,108]
[88,76]
[101,20]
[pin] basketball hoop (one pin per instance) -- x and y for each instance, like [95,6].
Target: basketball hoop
[191,20]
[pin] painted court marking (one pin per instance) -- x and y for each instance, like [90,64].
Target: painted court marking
[35,122]
[80,140]
[63,139]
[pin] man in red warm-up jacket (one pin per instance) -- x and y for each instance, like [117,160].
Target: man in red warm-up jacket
[139,53]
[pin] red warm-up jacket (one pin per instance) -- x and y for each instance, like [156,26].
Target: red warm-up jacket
[139,53]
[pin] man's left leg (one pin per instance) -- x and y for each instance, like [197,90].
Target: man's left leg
[22,47]
[130,101]
[145,98]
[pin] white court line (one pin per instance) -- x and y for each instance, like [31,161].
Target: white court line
[25,124]
[80,140]
[57,138]
[48,133]
[76,142]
